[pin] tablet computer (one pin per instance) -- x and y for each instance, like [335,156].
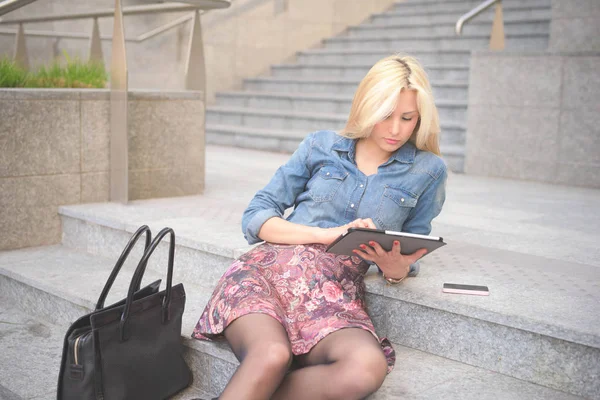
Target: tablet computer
[409,242]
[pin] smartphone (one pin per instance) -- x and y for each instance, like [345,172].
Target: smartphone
[465,289]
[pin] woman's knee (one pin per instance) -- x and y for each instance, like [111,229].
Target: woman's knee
[272,356]
[362,372]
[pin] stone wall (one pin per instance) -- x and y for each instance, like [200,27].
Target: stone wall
[54,150]
[535,117]
[575,25]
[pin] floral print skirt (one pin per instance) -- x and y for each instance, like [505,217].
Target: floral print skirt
[312,293]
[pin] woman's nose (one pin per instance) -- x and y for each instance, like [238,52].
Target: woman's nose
[395,126]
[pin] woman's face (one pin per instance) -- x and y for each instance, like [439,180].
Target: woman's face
[390,134]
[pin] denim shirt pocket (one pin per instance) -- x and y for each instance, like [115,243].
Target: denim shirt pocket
[394,207]
[326,182]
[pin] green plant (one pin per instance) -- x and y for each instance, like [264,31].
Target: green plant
[70,73]
[73,74]
[11,74]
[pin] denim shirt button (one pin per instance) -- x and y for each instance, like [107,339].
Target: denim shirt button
[361,185]
[402,200]
[352,205]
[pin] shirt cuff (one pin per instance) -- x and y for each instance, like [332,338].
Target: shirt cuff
[257,222]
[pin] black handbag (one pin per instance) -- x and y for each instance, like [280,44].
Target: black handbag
[131,349]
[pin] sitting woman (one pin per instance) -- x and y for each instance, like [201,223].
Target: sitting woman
[287,299]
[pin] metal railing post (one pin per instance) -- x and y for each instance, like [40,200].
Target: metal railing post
[20,56]
[96,54]
[119,138]
[497,38]
[195,74]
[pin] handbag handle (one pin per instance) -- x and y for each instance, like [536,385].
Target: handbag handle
[139,273]
[113,275]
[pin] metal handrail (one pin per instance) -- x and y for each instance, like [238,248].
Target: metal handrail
[132,10]
[472,14]
[7,6]
[497,36]
[73,35]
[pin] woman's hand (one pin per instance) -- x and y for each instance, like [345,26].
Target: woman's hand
[393,264]
[328,235]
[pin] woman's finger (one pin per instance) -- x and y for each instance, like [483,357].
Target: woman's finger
[378,249]
[396,247]
[364,255]
[370,223]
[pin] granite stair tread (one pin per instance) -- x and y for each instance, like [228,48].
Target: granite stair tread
[539,292]
[287,133]
[321,96]
[507,7]
[517,284]
[429,37]
[365,65]
[447,83]
[301,134]
[33,347]
[298,114]
[523,297]
[507,21]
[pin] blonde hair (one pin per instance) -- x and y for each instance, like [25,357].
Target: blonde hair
[377,96]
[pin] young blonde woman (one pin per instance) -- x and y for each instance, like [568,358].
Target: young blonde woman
[287,299]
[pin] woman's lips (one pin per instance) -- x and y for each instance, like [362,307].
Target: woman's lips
[391,141]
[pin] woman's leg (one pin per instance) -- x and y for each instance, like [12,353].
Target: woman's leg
[261,344]
[347,364]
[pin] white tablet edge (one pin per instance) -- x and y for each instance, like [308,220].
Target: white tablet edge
[412,235]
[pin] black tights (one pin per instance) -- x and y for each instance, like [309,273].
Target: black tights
[347,364]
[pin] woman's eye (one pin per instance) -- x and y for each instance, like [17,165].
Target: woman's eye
[407,118]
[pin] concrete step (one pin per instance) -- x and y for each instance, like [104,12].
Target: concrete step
[451,112]
[459,6]
[278,140]
[45,290]
[286,141]
[438,42]
[519,26]
[534,326]
[433,18]
[370,56]
[513,11]
[276,130]
[442,72]
[442,90]
[274,119]
[32,348]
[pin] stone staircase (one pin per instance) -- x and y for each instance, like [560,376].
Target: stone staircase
[534,337]
[275,112]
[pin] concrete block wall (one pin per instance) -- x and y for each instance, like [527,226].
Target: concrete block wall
[535,117]
[575,25]
[54,150]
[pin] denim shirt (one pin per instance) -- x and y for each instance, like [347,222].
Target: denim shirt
[324,185]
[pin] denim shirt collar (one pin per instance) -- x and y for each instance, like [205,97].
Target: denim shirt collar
[405,154]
